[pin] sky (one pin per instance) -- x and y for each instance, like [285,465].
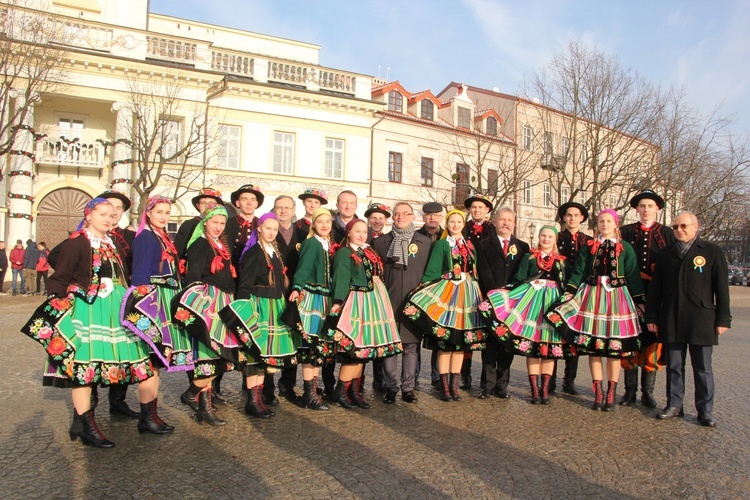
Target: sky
[701,46]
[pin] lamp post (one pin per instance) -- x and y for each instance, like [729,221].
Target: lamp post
[532,231]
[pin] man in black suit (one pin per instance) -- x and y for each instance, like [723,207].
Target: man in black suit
[688,308]
[404,253]
[288,242]
[498,258]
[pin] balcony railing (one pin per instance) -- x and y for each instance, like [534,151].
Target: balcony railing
[70,152]
[337,81]
[234,63]
[171,50]
[87,36]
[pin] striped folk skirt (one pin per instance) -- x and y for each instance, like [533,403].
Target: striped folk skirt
[600,321]
[517,320]
[215,348]
[447,310]
[313,309]
[366,328]
[265,339]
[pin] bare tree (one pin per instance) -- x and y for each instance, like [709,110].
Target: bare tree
[172,136]
[604,117]
[32,63]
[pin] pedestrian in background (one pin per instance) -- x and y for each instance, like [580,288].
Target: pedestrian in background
[30,258]
[3,267]
[42,267]
[16,265]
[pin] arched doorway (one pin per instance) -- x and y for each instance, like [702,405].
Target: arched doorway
[59,214]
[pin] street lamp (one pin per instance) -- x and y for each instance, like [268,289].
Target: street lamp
[532,231]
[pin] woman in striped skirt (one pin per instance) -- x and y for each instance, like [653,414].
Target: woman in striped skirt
[255,317]
[312,292]
[364,321]
[516,316]
[209,287]
[599,314]
[446,304]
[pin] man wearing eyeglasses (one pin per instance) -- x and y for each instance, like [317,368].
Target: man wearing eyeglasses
[688,307]
[648,238]
[404,253]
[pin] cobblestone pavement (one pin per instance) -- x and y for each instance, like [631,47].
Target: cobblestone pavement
[476,448]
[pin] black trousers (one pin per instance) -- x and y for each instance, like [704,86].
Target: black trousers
[496,361]
[703,375]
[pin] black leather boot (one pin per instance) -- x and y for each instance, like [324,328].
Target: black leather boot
[263,402]
[355,393]
[545,392]
[190,396]
[311,399]
[94,397]
[216,395]
[609,404]
[205,411]
[341,395]
[596,386]
[533,383]
[150,421]
[253,406]
[648,379]
[631,388]
[455,378]
[445,387]
[88,431]
[117,404]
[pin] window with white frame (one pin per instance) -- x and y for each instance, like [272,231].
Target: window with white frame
[283,153]
[334,164]
[528,138]
[229,147]
[395,101]
[583,153]
[564,194]
[464,117]
[427,171]
[527,193]
[170,139]
[582,196]
[547,195]
[395,166]
[428,110]
[70,128]
[564,147]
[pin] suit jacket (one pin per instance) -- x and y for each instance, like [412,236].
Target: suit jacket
[495,269]
[290,252]
[400,281]
[688,300]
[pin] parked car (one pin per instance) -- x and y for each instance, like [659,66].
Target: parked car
[736,276]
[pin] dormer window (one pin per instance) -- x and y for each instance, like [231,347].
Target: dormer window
[395,101]
[491,127]
[428,110]
[464,117]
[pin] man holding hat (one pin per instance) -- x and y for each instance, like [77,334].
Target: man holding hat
[311,199]
[239,228]
[570,242]
[432,216]
[205,197]
[648,238]
[477,228]
[377,215]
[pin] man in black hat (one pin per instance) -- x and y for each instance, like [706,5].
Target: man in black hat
[570,242]
[648,238]
[432,217]
[311,199]
[377,215]
[239,228]
[477,228]
[203,199]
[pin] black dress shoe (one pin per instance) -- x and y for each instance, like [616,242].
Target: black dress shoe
[485,395]
[389,398]
[119,407]
[217,397]
[570,388]
[465,382]
[289,394]
[670,412]
[502,394]
[409,397]
[270,399]
[707,420]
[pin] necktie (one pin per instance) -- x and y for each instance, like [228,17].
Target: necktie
[505,247]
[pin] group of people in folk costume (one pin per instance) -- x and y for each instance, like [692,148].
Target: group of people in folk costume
[265,294]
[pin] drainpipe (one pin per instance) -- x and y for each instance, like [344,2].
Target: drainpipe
[372,151]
